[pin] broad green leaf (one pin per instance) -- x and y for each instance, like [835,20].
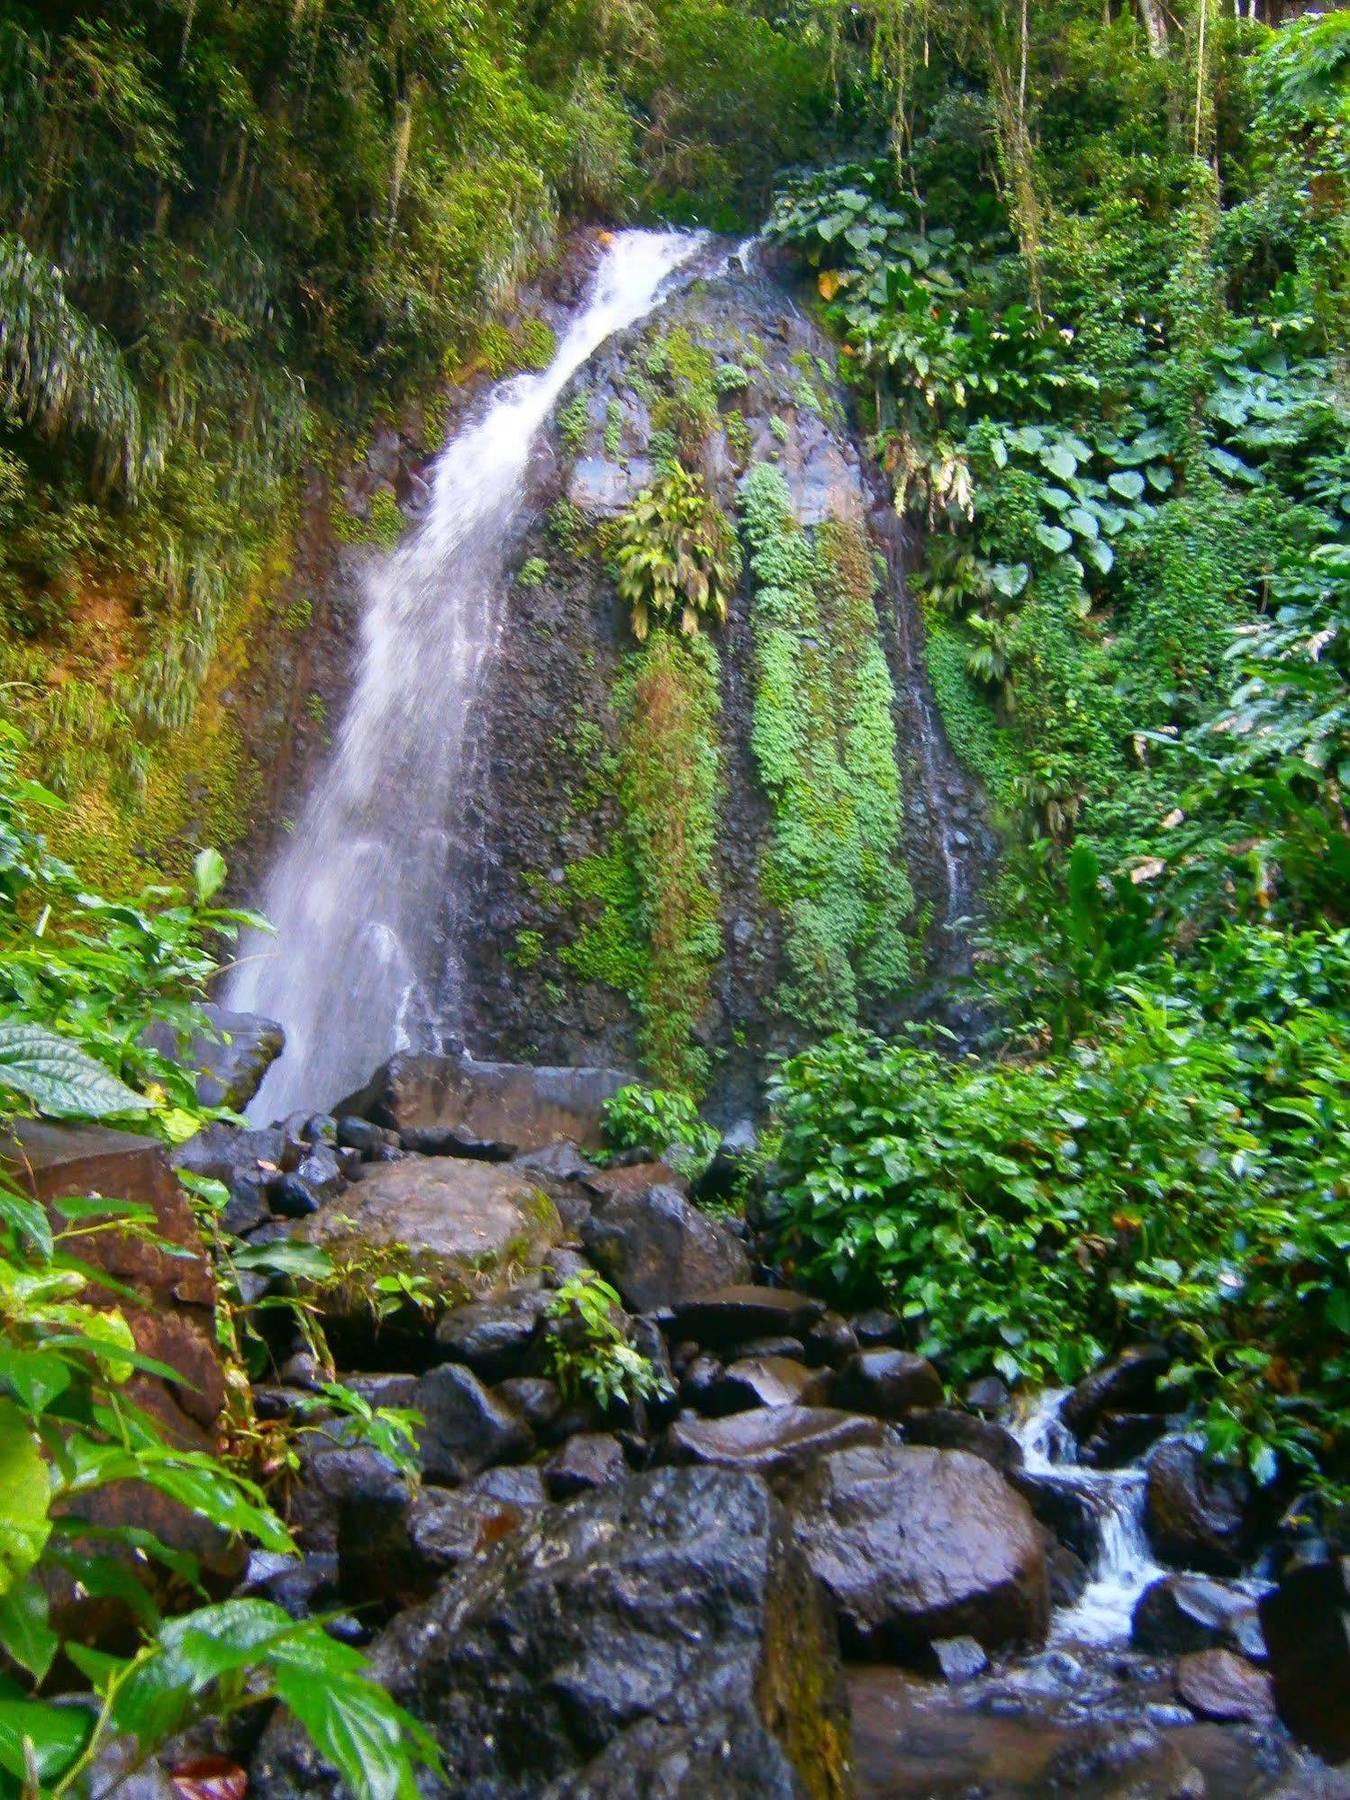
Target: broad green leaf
[1100,554]
[1160,477]
[305,1261]
[25,1634]
[55,1735]
[1060,460]
[356,1725]
[1055,538]
[208,873]
[1079,519]
[34,1377]
[25,1494]
[1128,483]
[58,1076]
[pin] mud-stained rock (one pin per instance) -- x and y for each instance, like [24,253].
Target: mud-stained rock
[914,1545]
[512,1103]
[661,1638]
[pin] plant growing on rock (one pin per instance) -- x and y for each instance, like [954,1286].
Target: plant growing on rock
[676,554]
[659,1120]
[589,1348]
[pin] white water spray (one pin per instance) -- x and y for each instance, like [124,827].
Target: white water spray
[1123,1565]
[357,898]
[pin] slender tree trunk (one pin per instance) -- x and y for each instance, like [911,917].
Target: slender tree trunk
[1155,25]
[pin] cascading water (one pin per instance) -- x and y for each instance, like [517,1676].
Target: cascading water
[357,898]
[1123,1565]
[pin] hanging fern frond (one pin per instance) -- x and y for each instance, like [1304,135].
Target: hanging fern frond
[60,372]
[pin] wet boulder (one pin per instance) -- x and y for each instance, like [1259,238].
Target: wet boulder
[1181,1613]
[1198,1518]
[493,1337]
[914,1545]
[777,1442]
[1218,1684]
[660,1251]
[753,1381]
[886,1383]
[734,1315]
[590,1459]
[393,1551]
[661,1637]
[230,1054]
[509,1103]
[947,1428]
[1306,1621]
[1129,1384]
[466,1428]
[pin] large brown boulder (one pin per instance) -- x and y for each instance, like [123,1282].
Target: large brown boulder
[660,1251]
[914,1545]
[1198,1517]
[1306,1621]
[505,1103]
[464,1222]
[662,1637]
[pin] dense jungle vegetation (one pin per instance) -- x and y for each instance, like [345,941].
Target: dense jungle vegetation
[1087,272]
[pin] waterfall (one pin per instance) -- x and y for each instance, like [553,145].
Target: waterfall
[1123,1565]
[355,969]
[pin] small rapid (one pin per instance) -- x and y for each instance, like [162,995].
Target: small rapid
[1123,1564]
[360,964]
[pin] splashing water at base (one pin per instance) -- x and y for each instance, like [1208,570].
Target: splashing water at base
[357,898]
[1123,1565]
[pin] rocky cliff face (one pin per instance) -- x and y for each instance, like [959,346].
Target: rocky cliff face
[556,909]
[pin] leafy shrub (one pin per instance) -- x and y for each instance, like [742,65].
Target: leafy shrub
[639,1118]
[589,1347]
[677,557]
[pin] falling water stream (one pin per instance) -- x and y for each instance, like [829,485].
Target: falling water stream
[356,968]
[1123,1565]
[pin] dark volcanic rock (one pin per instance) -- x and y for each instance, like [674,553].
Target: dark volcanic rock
[734,1315]
[877,1329]
[776,1441]
[660,1251]
[1130,1384]
[830,1341]
[1121,1438]
[886,1383]
[1179,1613]
[395,1554]
[537,1399]
[1306,1620]
[1198,1518]
[511,1103]
[944,1428]
[764,1381]
[591,1459]
[658,1638]
[452,1140]
[1218,1684]
[916,1544]
[493,1336]
[229,1058]
[466,1428]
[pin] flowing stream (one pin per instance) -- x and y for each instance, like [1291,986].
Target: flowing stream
[357,966]
[1123,1565]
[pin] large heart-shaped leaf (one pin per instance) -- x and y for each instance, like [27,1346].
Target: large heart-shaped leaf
[58,1076]
[24,1525]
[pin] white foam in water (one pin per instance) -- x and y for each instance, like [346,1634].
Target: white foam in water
[357,898]
[1123,1566]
